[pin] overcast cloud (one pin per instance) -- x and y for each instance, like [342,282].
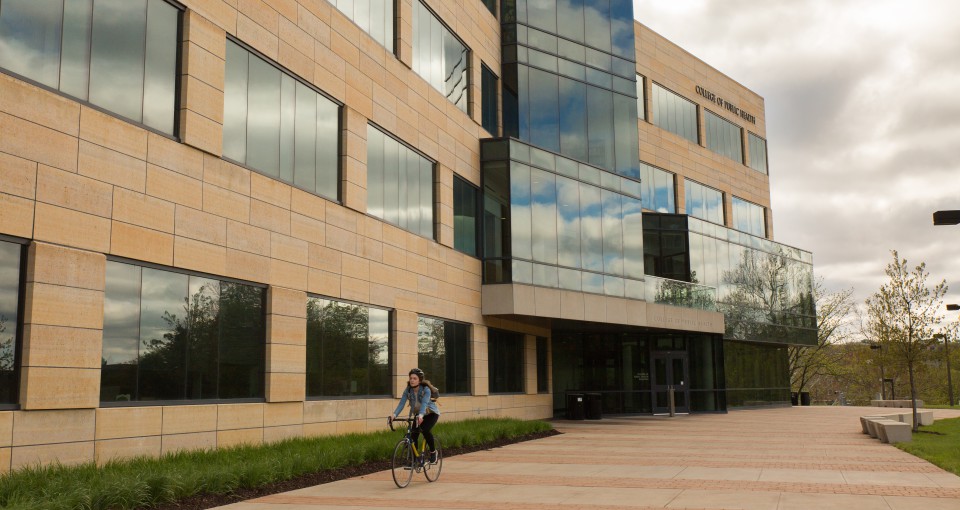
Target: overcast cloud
[863,121]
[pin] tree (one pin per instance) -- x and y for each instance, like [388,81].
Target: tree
[903,316]
[833,315]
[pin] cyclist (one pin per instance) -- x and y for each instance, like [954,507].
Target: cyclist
[426,411]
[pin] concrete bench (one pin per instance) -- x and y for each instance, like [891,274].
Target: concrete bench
[925,418]
[891,431]
[895,428]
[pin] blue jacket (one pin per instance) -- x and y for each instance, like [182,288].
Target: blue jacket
[424,395]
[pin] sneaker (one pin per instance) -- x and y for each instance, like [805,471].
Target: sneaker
[433,457]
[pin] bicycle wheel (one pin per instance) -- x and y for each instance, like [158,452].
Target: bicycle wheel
[402,464]
[430,469]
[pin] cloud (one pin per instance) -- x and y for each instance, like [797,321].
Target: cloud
[863,121]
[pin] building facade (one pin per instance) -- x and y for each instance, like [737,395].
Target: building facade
[227,222]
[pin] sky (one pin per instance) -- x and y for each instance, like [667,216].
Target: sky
[863,122]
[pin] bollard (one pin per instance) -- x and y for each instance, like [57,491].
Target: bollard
[673,406]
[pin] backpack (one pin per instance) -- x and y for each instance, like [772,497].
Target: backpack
[434,392]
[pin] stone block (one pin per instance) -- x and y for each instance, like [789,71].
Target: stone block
[189,418]
[351,410]
[185,442]
[125,422]
[286,358]
[170,186]
[289,302]
[316,411]
[59,265]
[66,454]
[285,387]
[226,175]
[6,429]
[59,388]
[199,256]
[112,133]
[56,305]
[282,413]
[270,217]
[71,228]
[48,427]
[39,106]
[226,203]
[141,243]
[248,238]
[112,167]
[283,329]
[289,249]
[34,142]
[171,155]
[320,429]
[247,266]
[230,438]
[351,427]
[201,132]
[16,215]
[72,191]
[239,416]
[60,346]
[269,190]
[126,448]
[201,97]
[143,210]
[201,226]
[274,434]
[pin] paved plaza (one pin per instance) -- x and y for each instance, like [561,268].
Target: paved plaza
[812,458]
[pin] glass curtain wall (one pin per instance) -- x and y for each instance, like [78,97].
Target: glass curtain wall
[569,79]
[174,336]
[506,361]
[280,126]
[756,374]
[399,184]
[674,113]
[443,349]
[375,17]
[439,56]
[348,349]
[658,191]
[703,202]
[748,217]
[466,216]
[11,257]
[562,226]
[120,55]
[723,136]
[758,153]
[641,100]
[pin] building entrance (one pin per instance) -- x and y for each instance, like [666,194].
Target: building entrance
[671,370]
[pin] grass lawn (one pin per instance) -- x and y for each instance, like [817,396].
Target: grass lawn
[146,482]
[939,443]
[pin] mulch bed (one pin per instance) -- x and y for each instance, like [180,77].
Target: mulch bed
[205,501]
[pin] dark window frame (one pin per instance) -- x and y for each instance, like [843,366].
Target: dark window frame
[484,70]
[391,343]
[723,203]
[740,130]
[199,274]
[469,66]
[340,118]
[468,345]
[21,309]
[523,352]
[766,153]
[696,110]
[177,94]
[478,217]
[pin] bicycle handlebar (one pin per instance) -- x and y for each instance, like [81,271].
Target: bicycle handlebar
[390,422]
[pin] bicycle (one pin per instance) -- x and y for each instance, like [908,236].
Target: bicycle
[409,458]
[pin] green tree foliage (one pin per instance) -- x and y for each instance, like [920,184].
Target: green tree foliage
[903,315]
[834,312]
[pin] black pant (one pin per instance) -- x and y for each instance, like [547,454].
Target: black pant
[428,422]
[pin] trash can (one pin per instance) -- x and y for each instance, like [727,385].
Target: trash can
[794,398]
[575,406]
[804,398]
[594,407]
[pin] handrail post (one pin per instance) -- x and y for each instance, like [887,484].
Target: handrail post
[670,400]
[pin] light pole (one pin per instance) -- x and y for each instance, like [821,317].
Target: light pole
[878,347]
[946,348]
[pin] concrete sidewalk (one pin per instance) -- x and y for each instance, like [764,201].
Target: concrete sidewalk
[777,459]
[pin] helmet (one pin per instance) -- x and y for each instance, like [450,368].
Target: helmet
[416,371]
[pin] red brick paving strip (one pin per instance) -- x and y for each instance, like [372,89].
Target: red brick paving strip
[281,499]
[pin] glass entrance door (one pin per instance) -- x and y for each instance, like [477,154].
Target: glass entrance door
[671,370]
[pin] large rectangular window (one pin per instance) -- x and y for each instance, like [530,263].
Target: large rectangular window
[348,349]
[674,113]
[375,17]
[466,214]
[758,153]
[543,365]
[174,336]
[11,258]
[658,189]
[491,6]
[723,136]
[748,217]
[641,98]
[443,349]
[399,184]
[120,55]
[488,101]
[439,56]
[278,125]
[505,361]
[704,202]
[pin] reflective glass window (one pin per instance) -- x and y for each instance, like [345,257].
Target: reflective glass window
[491,6]
[703,202]
[465,216]
[674,113]
[641,98]
[278,125]
[403,194]
[374,17]
[723,136]
[439,56]
[10,262]
[173,336]
[758,153]
[120,55]
[348,349]
[600,127]
[657,189]
[505,361]
[573,125]
[488,92]
[443,352]
[543,365]
[748,217]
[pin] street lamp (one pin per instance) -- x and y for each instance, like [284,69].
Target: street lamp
[946,347]
[876,346]
[946,218]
